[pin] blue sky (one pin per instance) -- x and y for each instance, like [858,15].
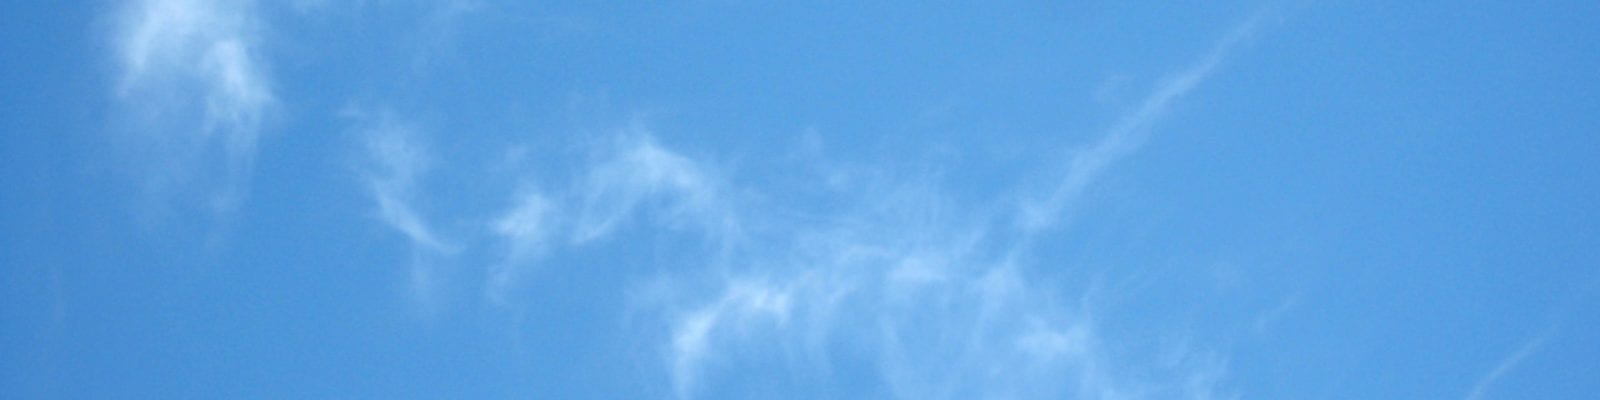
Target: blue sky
[728,199]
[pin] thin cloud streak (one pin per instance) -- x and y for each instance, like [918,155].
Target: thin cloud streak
[1129,133]
[901,280]
[397,163]
[1505,366]
[945,317]
[928,295]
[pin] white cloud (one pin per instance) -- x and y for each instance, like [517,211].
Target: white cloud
[193,78]
[1126,136]
[742,304]
[924,289]
[929,294]
[633,175]
[639,170]
[902,281]
[1505,366]
[526,229]
[398,161]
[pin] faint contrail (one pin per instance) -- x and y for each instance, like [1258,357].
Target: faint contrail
[1506,365]
[1129,132]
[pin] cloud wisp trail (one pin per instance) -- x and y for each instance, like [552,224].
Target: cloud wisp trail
[900,284]
[1127,135]
[527,229]
[195,88]
[1505,366]
[942,315]
[397,162]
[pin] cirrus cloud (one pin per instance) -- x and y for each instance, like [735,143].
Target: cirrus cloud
[196,90]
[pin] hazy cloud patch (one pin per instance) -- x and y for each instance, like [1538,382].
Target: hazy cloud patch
[195,92]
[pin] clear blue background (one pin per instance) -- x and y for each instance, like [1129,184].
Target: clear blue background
[1360,200]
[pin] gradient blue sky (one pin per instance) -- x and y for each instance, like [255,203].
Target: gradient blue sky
[744,199]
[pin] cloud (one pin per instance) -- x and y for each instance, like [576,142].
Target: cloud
[927,292]
[1127,135]
[526,228]
[631,175]
[397,161]
[742,304]
[901,283]
[1505,366]
[638,169]
[1265,320]
[897,284]
[195,85]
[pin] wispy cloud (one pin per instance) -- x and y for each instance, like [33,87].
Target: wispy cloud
[194,81]
[902,280]
[526,229]
[1505,366]
[398,160]
[929,292]
[930,297]
[629,176]
[1265,320]
[1127,135]
[639,169]
[743,303]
